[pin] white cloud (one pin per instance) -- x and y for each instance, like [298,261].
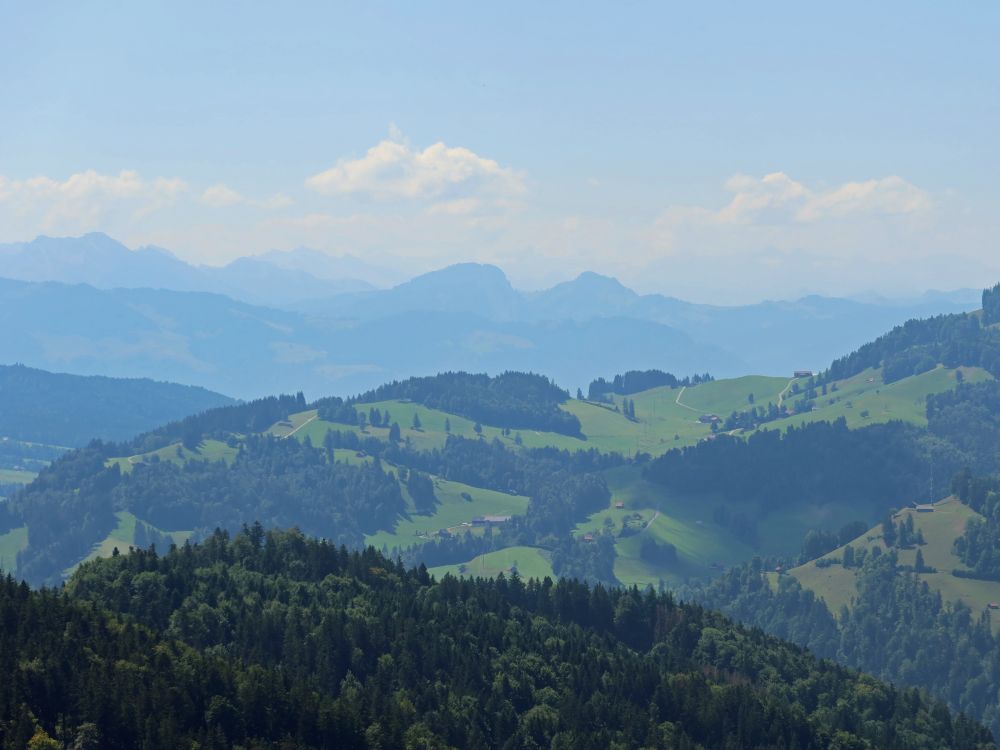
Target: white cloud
[392,170]
[457,207]
[777,198]
[84,199]
[889,195]
[223,196]
[219,196]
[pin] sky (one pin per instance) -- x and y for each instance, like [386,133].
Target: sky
[712,151]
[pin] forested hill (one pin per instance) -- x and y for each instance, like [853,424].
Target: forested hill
[70,410]
[512,399]
[971,339]
[275,640]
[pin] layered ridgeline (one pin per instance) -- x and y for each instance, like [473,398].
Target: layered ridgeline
[469,496]
[43,414]
[275,640]
[71,410]
[476,473]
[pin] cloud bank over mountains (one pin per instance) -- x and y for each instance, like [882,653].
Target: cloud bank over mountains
[417,208]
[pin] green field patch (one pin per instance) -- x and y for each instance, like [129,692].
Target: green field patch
[530,562]
[837,586]
[11,543]
[123,536]
[293,424]
[431,434]
[865,399]
[723,397]
[208,450]
[16,476]
[703,547]
[453,514]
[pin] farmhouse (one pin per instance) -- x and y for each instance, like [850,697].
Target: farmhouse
[803,373]
[588,537]
[924,508]
[620,505]
[709,418]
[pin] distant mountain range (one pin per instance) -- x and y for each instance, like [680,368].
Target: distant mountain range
[247,351]
[286,321]
[275,278]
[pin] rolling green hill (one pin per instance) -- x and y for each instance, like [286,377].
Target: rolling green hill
[665,418]
[837,586]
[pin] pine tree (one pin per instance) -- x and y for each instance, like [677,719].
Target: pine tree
[416,421]
[889,532]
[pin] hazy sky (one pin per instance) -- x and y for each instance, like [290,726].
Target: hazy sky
[708,150]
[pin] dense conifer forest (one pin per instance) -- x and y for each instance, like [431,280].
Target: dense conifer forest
[272,639]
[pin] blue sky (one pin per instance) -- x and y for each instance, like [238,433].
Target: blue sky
[709,150]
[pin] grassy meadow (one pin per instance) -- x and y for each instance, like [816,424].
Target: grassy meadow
[837,586]
[530,562]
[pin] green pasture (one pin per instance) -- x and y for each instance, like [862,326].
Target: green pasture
[11,543]
[452,513]
[208,450]
[837,586]
[530,562]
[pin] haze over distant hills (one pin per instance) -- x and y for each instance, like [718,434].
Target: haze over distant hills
[302,319]
[275,278]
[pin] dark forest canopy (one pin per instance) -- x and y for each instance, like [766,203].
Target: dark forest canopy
[969,419]
[635,381]
[70,410]
[512,399]
[822,462]
[919,345]
[275,640]
[979,546]
[991,305]
[887,465]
